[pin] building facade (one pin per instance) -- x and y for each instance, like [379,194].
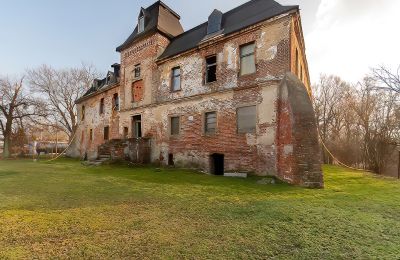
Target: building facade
[230,95]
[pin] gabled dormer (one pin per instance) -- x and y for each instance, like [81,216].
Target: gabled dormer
[155,18]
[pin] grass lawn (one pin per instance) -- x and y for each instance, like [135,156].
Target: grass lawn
[65,210]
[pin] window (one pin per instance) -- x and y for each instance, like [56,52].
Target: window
[137,126]
[176,79]
[116,102]
[210,121]
[141,24]
[136,71]
[246,119]
[211,69]
[83,113]
[126,132]
[102,106]
[175,125]
[106,133]
[301,72]
[91,134]
[247,59]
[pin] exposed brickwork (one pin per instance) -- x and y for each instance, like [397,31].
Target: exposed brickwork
[274,149]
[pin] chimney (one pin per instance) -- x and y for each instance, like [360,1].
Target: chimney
[117,69]
[214,22]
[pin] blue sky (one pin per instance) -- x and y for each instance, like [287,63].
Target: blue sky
[64,33]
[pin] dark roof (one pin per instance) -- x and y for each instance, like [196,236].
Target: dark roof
[156,20]
[241,17]
[99,85]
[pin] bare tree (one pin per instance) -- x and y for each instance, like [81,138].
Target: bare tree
[62,88]
[16,104]
[389,80]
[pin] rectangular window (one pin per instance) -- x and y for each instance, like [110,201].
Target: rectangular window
[136,71]
[247,59]
[137,126]
[83,113]
[116,102]
[106,133]
[210,121]
[176,79]
[141,24]
[301,72]
[175,125]
[126,132]
[211,70]
[246,119]
[102,106]
[91,134]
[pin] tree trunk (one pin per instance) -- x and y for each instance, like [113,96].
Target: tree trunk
[7,145]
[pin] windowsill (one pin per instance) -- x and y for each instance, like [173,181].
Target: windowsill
[210,83]
[247,75]
[176,91]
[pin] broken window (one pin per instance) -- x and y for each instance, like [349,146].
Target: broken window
[106,133]
[116,102]
[141,24]
[211,70]
[171,160]
[176,79]
[102,106]
[247,59]
[137,126]
[210,126]
[91,134]
[175,125]
[83,113]
[246,119]
[126,132]
[136,71]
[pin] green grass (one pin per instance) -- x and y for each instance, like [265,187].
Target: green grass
[65,210]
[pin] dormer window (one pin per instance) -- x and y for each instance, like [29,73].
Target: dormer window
[141,24]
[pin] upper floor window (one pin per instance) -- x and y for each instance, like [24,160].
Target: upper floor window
[141,24]
[102,106]
[116,102]
[247,59]
[176,79]
[211,70]
[246,119]
[83,113]
[136,71]
[91,135]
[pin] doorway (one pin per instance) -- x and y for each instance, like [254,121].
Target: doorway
[217,164]
[137,126]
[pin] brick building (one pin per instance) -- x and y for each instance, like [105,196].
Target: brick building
[230,95]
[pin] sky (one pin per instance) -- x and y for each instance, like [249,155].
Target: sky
[343,37]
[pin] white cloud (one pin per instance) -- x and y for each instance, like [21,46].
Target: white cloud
[349,37]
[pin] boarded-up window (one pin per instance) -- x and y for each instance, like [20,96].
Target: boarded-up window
[137,91]
[211,70]
[176,79]
[102,106]
[210,126]
[106,133]
[246,119]
[247,59]
[175,125]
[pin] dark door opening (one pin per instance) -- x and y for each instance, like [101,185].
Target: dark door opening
[217,164]
[171,160]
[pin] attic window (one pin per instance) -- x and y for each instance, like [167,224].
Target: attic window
[141,24]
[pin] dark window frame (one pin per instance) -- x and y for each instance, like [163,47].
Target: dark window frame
[137,71]
[211,67]
[173,78]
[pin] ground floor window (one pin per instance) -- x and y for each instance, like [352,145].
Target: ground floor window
[174,125]
[106,133]
[246,119]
